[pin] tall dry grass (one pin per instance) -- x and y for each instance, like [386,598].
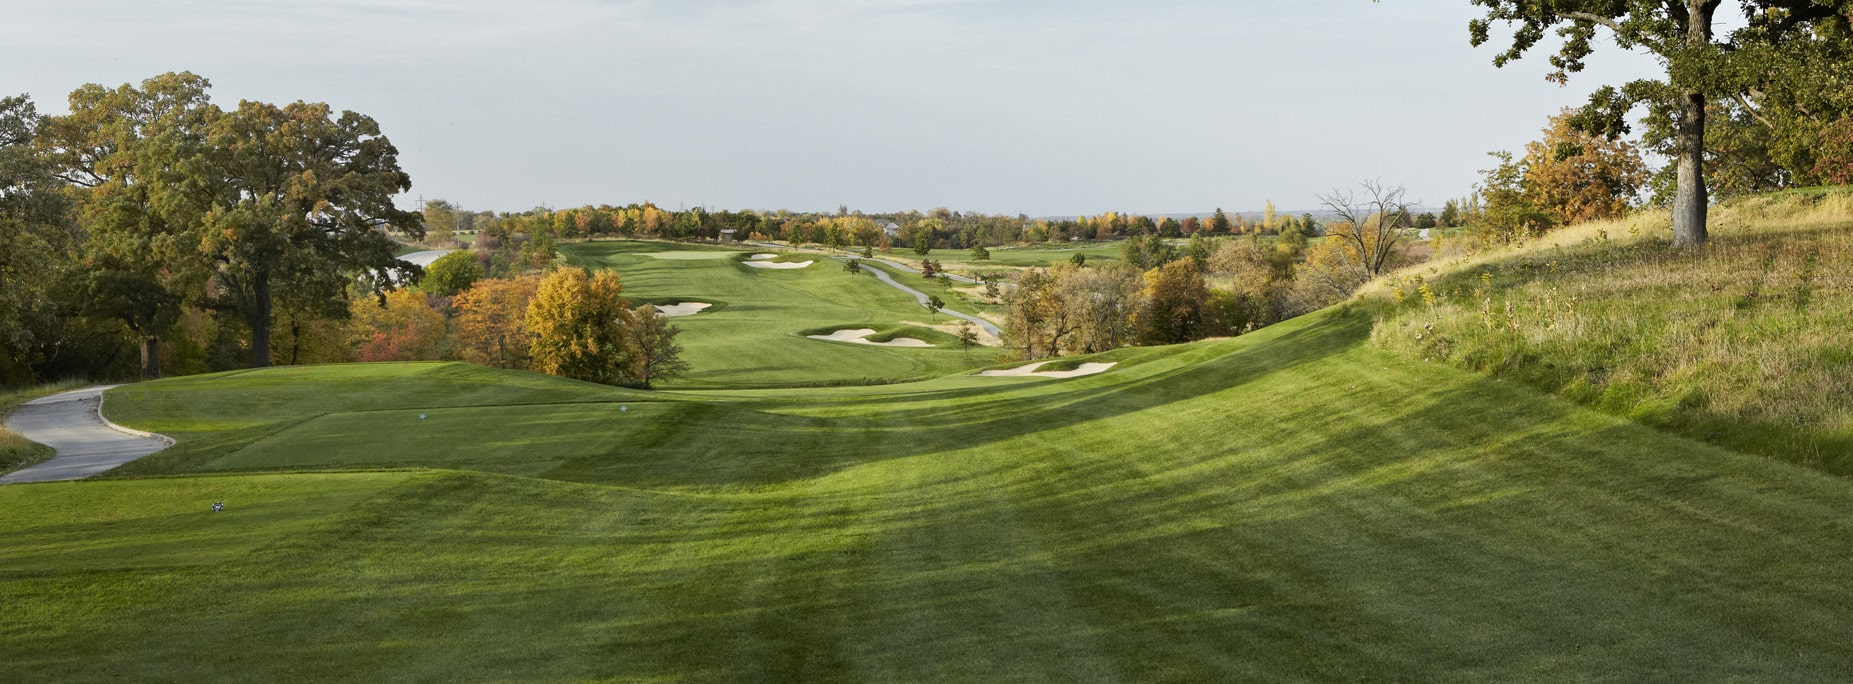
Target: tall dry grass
[1747,342]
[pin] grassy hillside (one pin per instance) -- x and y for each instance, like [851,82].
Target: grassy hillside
[752,336]
[1744,343]
[1291,504]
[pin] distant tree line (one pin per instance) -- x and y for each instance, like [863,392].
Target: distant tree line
[919,232]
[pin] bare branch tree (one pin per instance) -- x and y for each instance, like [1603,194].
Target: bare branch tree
[1377,222]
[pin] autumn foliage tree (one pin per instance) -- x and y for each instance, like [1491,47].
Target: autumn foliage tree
[576,323]
[398,327]
[1103,301]
[1582,177]
[1834,160]
[1174,306]
[491,323]
[1037,315]
[1566,177]
[1260,279]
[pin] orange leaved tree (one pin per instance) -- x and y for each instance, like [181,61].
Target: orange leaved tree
[492,321]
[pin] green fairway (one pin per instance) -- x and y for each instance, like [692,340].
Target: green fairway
[1096,251]
[754,335]
[1291,504]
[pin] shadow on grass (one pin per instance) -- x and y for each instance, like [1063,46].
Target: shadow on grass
[771,445]
[1472,529]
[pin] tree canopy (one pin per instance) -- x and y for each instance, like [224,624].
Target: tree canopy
[576,322]
[1701,65]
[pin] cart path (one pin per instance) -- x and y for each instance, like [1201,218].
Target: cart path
[922,298]
[87,443]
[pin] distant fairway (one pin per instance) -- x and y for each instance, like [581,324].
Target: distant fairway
[1021,257]
[1289,504]
[752,336]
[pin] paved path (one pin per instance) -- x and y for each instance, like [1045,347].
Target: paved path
[87,443]
[426,257]
[922,296]
[423,259]
[954,276]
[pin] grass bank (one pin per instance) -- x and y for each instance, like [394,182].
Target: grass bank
[1742,343]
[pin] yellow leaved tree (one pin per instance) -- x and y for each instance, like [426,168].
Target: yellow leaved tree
[576,324]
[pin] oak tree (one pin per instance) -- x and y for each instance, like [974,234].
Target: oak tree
[137,160]
[39,243]
[300,189]
[1700,65]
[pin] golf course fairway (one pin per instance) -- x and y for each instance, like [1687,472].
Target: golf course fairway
[1294,503]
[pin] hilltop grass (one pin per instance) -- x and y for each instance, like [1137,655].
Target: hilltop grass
[757,339]
[1742,343]
[1291,504]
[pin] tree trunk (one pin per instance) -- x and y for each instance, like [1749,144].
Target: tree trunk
[295,340]
[258,317]
[151,358]
[1690,200]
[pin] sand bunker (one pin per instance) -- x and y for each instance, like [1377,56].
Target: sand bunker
[1030,371]
[682,308]
[764,256]
[778,264]
[860,336]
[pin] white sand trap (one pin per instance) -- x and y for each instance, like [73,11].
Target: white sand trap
[764,256]
[777,264]
[860,336]
[682,308]
[1030,371]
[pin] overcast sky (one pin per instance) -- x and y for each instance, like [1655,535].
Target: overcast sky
[1037,107]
